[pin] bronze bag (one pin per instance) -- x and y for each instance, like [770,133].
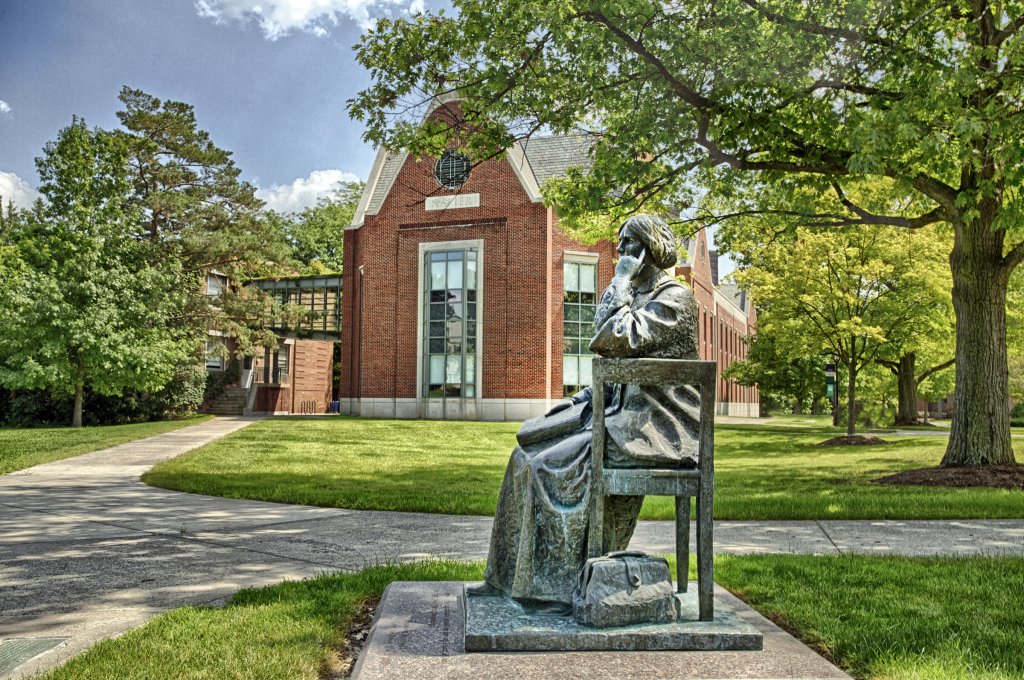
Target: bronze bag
[625,588]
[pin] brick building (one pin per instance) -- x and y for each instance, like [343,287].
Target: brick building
[465,300]
[297,376]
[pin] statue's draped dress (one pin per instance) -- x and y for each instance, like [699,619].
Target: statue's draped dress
[539,538]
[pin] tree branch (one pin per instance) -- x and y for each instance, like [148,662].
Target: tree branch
[935,369]
[866,217]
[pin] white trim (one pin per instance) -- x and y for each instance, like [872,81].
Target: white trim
[370,189]
[517,159]
[219,334]
[430,246]
[577,256]
[730,306]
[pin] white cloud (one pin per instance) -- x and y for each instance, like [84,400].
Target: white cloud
[278,18]
[304,192]
[14,188]
[5,108]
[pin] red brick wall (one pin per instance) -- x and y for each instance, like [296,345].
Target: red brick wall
[521,266]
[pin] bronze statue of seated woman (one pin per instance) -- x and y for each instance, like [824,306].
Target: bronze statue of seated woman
[539,538]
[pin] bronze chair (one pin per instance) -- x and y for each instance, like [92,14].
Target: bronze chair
[683,484]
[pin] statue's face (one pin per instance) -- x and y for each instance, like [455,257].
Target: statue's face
[630,244]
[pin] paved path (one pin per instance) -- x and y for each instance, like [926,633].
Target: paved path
[88,551]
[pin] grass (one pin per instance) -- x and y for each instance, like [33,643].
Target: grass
[283,632]
[761,473]
[894,617]
[21,448]
[877,617]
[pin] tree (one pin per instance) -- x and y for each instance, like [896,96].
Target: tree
[848,293]
[316,234]
[809,95]
[794,381]
[86,305]
[201,217]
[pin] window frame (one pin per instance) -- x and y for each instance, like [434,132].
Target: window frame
[577,258]
[425,249]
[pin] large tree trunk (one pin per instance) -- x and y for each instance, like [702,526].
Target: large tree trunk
[980,432]
[906,382]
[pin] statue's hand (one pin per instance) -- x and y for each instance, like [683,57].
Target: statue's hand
[628,266]
[559,407]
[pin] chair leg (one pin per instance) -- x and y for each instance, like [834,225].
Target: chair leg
[682,543]
[705,559]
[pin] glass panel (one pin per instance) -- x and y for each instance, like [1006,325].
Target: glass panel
[572,276]
[571,312]
[454,275]
[436,329]
[570,370]
[454,346]
[471,272]
[471,311]
[572,330]
[567,346]
[436,370]
[437,276]
[572,297]
[454,328]
[588,278]
[454,296]
[470,391]
[586,376]
[588,298]
[437,312]
[436,257]
[587,313]
[452,369]
[470,328]
[471,295]
[470,344]
[455,255]
[437,296]
[470,369]
[436,346]
[435,390]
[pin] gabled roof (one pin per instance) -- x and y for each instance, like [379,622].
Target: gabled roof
[534,160]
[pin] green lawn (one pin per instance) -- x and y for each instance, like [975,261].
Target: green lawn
[877,617]
[24,447]
[457,467]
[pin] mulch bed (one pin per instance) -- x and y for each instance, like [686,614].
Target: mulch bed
[856,440]
[343,661]
[993,476]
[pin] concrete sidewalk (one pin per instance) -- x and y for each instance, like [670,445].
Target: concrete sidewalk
[88,551]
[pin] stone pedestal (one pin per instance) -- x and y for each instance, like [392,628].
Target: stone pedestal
[419,632]
[499,624]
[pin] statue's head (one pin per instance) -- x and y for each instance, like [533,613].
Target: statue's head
[656,235]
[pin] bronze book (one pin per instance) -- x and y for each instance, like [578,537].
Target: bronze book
[543,428]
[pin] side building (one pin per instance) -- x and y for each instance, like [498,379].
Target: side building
[464,299]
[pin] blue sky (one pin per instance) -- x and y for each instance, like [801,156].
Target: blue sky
[270,86]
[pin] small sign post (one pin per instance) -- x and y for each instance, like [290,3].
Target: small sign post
[830,392]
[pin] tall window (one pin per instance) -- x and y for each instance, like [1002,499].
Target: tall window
[578,306]
[450,323]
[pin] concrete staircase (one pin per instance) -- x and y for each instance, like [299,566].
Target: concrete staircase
[230,402]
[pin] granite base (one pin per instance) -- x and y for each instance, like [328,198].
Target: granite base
[499,624]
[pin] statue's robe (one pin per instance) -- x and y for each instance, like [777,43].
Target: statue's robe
[539,538]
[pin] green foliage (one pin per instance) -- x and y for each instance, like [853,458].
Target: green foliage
[856,295]
[201,217]
[216,381]
[316,234]
[904,113]
[791,382]
[87,305]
